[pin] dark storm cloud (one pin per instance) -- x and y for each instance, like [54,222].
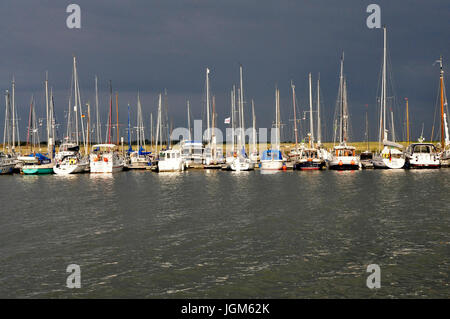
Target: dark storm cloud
[152,45]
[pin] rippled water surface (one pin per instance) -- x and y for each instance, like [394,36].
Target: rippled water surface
[215,234]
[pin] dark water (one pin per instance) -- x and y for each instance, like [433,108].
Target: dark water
[222,234]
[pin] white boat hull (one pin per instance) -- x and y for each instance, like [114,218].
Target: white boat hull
[175,165]
[241,165]
[344,163]
[66,169]
[392,163]
[271,164]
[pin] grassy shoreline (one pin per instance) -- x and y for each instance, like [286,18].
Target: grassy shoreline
[360,147]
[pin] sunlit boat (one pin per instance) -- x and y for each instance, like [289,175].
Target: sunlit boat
[344,158]
[7,163]
[69,160]
[170,161]
[36,164]
[192,153]
[309,159]
[272,160]
[390,157]
[422,155]
[105,158]
[366,159]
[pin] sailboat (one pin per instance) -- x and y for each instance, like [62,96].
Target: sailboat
[11,137]
[191,151]
[213,155]
[343,156]
[38,163]
[391,156]
[254,155]
[106,158]
[139,159]
[69,159]
[272,159]
[445,138]
[366,156]
[241,162]
[310,158]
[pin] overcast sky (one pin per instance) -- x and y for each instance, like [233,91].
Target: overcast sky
[155,45]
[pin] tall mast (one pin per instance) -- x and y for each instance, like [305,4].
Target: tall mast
[189,120]
[254,128]
[88,135]
[77,103]
[158,124]
[277,119]
[13,114]
[29,121]
[151,132]
[341,100]
[213,135]
[6,132]
[407,120]
[129,131]
[208,137]
[383,89]
[46,109]
[98,128]
[441,78]
[319,131]
[367,131]
[233,102]
[345,112]
[117,118]
[110,112]
[295,115]
[242,106]
[311,119]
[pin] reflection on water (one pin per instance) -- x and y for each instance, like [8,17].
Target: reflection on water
[210,233]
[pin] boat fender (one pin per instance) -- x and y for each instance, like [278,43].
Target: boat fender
[340,163]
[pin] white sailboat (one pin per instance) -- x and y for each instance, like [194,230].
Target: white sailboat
[69,159]
[343,156]
[254,155]
[445,138]
[272,159]
[310,158]
[241,162]
[37,163]
[105,158]
[391,156]
[138,159]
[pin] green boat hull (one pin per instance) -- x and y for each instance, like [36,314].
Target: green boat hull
[37,171]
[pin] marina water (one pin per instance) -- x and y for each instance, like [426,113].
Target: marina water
[216,234]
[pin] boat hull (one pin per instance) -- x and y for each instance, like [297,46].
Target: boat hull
[7,169]
[309,165]
[38,169]
[422,163]
[241,165]
[386,163]
[344,163]
[70,169]
[271,164]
